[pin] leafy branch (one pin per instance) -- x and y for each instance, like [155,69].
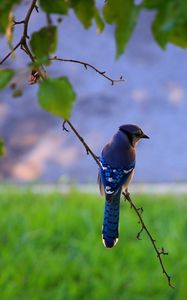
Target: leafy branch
[24,46]
[56,95]
[23,41]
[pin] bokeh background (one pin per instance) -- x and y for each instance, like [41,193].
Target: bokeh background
[50,242]
[153,97]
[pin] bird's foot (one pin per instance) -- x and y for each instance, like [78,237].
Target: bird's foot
[126,194]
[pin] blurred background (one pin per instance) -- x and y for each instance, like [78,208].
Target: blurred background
[153,97]
[50,243]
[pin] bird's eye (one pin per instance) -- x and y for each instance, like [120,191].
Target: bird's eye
[138,133]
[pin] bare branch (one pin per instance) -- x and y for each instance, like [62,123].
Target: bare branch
[64,127]
[49,20]
[159,253]
[10,53]
[18,22]
[139,233]
[88,149]
[27,19]
[86,65]
[37,8]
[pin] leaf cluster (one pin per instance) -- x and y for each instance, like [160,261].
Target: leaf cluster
[169,24]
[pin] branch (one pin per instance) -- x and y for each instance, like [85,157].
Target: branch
[88,149]
[27,19]
[24,46]
[23,40]
[10,53]
[160,252]
[86,65]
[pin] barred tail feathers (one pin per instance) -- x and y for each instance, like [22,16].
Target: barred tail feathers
[111,220]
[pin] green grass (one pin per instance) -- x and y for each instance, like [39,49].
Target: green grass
[51,249]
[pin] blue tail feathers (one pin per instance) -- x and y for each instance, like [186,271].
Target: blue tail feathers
[111,220]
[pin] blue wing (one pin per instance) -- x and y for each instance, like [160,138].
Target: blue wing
[113,178]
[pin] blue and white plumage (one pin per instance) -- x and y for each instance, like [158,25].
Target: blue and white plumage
[117,167]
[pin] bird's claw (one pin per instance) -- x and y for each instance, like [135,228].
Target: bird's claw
[126,194]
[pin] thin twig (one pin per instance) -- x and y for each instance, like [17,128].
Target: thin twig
[18,22]
[88,149]
[49,20]
[159,253]
[86,65]
[10,53]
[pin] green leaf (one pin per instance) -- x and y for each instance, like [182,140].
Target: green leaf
[40,61]
[5,7]
[153,3]
[2,147]
[170,24]
[44,41]
[99,22]
[124,14]
[84,10]
[57,96]
[5,76]
[54,6]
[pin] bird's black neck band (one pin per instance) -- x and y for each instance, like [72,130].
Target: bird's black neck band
[128,135]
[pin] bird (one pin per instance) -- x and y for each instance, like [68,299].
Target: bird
[117,164]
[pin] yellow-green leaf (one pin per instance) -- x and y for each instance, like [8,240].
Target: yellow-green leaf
[9,30]
[84,11]
[57,96]
[5,76]
[44,41]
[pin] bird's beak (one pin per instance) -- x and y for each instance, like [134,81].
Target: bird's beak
[144,136]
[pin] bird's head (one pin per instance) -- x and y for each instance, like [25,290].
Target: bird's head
[133,132]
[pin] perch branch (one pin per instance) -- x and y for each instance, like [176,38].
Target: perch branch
[86,65]
[159,252]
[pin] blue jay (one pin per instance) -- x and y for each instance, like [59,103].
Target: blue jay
[117,162]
